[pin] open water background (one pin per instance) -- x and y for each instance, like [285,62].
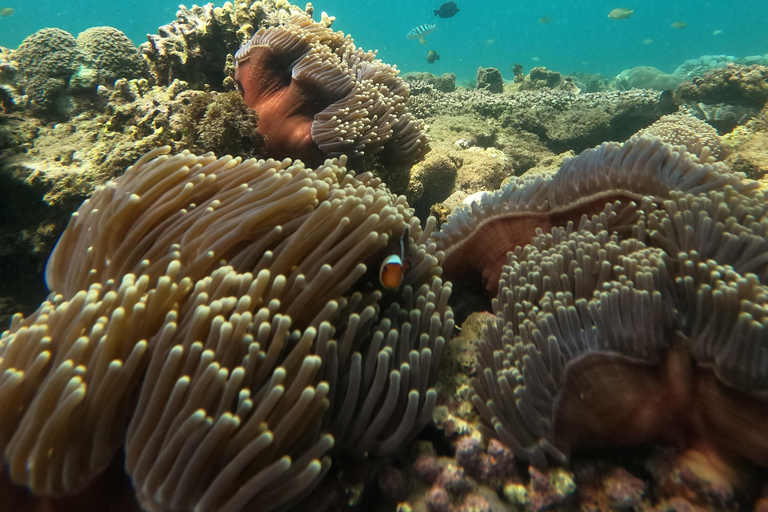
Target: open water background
[496,33]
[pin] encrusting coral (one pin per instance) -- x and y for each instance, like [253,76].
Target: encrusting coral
[630,307]
[319,96]
[218,317]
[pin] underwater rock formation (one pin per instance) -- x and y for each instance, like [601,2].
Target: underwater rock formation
[338,100]
[490,80]
[732,84]
[561,119]
[251,355]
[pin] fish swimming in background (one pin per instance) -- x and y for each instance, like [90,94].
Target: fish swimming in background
[447,10]
[679,24]
[620,13]
[432,56]
[545,19]
[421,31]
[648,41]
[717,32]
[5,12]
[394,266]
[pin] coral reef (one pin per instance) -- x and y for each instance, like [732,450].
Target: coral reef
[600,307]
[60,75]
[541,78]
[697,67]
[588,82]
[294,343]
[194,47]
[629,322]
[561,119]
[222,123]
[733,84]
[489,79]
[49,169]
[681,129]
[338,100]
[748,147]
[644,77]
[47,59]
[110,53]
[443,83]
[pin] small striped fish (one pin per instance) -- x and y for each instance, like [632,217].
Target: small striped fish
[421,31]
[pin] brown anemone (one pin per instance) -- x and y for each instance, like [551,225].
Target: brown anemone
[654,331]
[319,96]
[619,174]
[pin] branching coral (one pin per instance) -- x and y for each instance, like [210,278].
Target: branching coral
[318,95]
[235,299]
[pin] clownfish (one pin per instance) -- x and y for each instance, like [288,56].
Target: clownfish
[394,266]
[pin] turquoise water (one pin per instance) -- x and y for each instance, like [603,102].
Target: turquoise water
[495,33]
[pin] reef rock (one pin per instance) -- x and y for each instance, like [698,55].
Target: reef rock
[194,48]
[733,84]
[489,79]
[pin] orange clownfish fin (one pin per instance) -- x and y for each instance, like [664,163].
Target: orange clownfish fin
[394,266]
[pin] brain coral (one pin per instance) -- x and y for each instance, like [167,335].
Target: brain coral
[47,59]
[112,54]
[318,95]
[219,319]
[631,306]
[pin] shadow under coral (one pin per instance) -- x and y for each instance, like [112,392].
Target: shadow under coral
[110,492]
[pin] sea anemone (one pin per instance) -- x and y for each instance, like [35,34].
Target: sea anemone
[218,318]
[643,322]
[319,96]
[618,174]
